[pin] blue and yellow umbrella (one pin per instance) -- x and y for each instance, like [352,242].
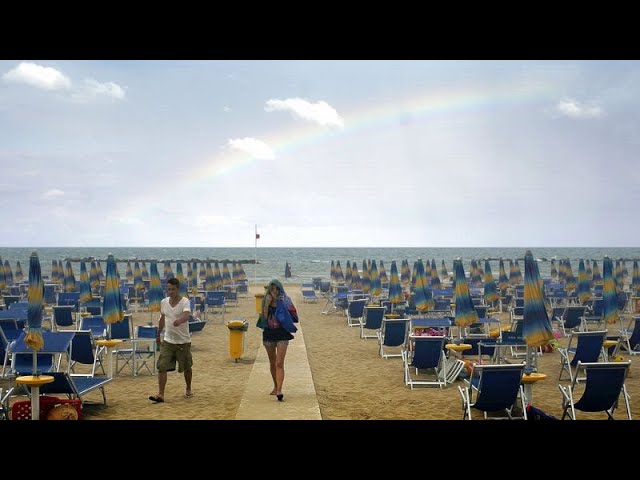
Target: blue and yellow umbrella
[570,280]
[347,273]
[168,273]
[383,273]
[356,281]
[217,276]
[536,327]
[395,286]
[3,282]
[476,278]
[584,290]
[8,274]
[444,272]
[145,273]
[94,278]
[112,308]
[554,269]
[405,273]
[203,272]
[597,277]
[519,278]
[181,278]
[155,288]
[618,276]
[19,274]
[490,290]
[423,295]
[610,312]
[194,278]
[366,281]
[226,276]
[503,280]
[339,274]
[69,278]
[635,279]
[138,282]
[374,280]
[129,273]
[100,272]
[243,275]
[466,314]
[588,272]
[332,273]
[85,285]
[210,280]
[35,297]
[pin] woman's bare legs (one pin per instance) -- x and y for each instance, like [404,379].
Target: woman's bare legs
[271,352]
[281,352]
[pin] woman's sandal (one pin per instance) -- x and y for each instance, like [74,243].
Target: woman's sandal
[156,398]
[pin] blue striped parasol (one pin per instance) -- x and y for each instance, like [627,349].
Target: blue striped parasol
[444,272]
[210,279]
[145,273]
[374,279]
[112,310]
[347,273]
[466,314]
[584,290]
[8,274]
[435,279]
[395,287]
[490,290]
[503,280]
[94,278]
[635,278]
[138,282]
[181,278]
[155,288]
[339,274]
[35,297]
[610,312]
[423,295]
[597,277]
[536,327]
[69,278]
[218,281]
[19,274]
[366,281]
[85,286]
[129,273]
[383,273]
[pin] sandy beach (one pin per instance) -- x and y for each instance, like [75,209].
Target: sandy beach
[351,380]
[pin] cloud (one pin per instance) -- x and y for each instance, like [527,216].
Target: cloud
[320,112]
[93,90]
[226,109]
[254,147]
[46,78]
[573,109]
[53,193]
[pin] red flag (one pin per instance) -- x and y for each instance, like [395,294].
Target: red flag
[257,236]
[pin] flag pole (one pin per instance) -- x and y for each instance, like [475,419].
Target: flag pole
[255,260]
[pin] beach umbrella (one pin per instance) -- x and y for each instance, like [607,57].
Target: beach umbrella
[383,273]
[210,280]
[554,270]
[610,311]
[243,276]
[366,280]
[597,277]
[61,273]
[490,290]
[413,274]
[625,272]
[618,276]
[190,271]
[570,280]
[94,278]
[536,327]
[503,280]
[35,297]
[395,287]
[444,272]
[347,273]
[155,289]
[519,278]
[339,274]
[194,278]
[427,271]
[476,278]
[584,290]
[423,295]
[356,281]
[217,276]
[168,273]
[85,285]
[54,271]
[19,275]
[129,273]
[3,282]
[465,312]
[145,273]
[138,282]
[588,272]
[635,279]
[226,276]
[8,274]
[512,273]
[235,273]
[112,309]
[435,279]
[374,279]
[100,272]
[181,278]
[332,273]
[405,273]
[69,278]
[203,272]
[287,270]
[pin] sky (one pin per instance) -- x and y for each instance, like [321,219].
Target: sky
[319,153]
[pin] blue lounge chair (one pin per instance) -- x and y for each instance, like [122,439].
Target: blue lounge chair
[83,350]
[355,312]
[95,324]
[196,325]
[372,320]
[588,348]
[393,333]
[55,345]
[63,317]
[424,353]
[605,381]
[572,319]
[143,349]
[74,387]
[630,338]
[496,388]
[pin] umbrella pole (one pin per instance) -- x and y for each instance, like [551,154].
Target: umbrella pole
[34,357]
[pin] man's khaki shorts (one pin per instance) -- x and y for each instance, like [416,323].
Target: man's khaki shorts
[170,353]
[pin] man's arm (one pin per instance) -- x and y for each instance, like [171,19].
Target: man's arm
[160,327]
[183,317]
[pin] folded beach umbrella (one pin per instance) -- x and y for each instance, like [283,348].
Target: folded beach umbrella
[35,297]
[155,289]
[435,279]
[203,272]
[100,272]
[395,287]
[69,278]
[366,281]
[503,280]
[347,273]
[374,279]
[190,271]
[405,273]
[194,278]
[8,274]
[519,277]
[597,277]
[339,274]
[427,271]
[476,278]
[217,276]
[490,290]
[145,273]
[356,281]
[588,272]
[129,273]
[383,273]
[536,327]
[584,290]
[235,272]
[423,295]
[414,271]
[618,276]
[287,270]
[85,285]
[138,282]
[512,273]
[610,312]
[94,279]
[54,271]
[243,276]
[625,272]
[181,278]
[444,272]
[226,276]
[570,280]
[554,270]
[332,273]
[112,308]
[635,279]
[61,273]
[465,312]
[3,282]
[19,275]
[210,279]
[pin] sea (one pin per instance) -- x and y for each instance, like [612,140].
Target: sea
[307,263]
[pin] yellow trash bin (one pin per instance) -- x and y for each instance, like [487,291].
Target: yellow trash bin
[237,327]
[259,297]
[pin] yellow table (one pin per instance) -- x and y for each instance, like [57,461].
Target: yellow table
[109,344]
[259,297]
[35,381]
[458,347]
[528,381]
[453,365]
[392,315]
[606,345]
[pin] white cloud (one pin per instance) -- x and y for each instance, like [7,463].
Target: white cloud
[38,76]
[93,90]
[572,108]
[320,112]
[124,220]
[226,109]
[53,193]
[252,146]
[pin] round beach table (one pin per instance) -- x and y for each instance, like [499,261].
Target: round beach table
[528,380]
[109,343]
[35,382]
[453,367]
[606,345]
